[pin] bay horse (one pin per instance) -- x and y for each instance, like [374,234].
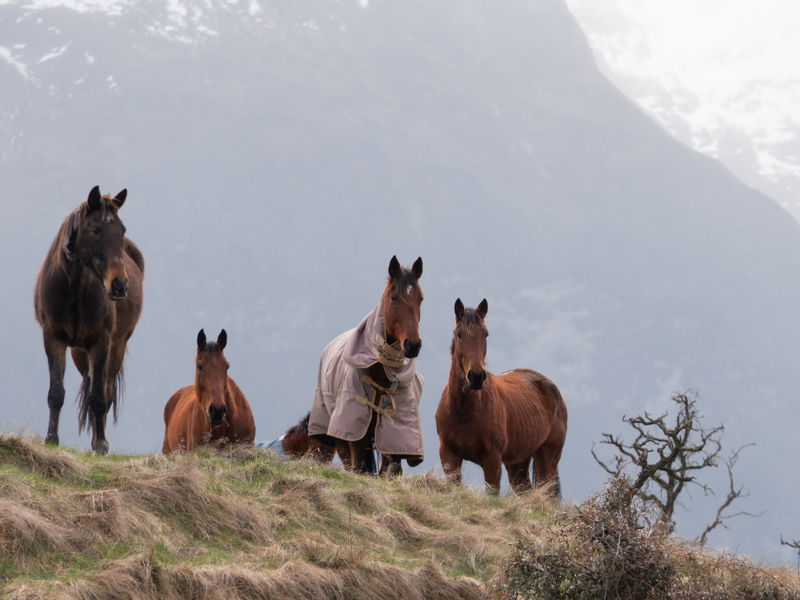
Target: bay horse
[389,334]
[88,297]
[494,420]
[213,411]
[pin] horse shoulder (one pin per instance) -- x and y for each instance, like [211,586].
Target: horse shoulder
[169,407]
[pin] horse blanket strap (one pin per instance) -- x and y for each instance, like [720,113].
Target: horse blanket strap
[386,390]
[383,404]
[390,355]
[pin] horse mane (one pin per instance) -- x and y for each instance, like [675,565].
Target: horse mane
[406,278]
[212,348]
[302,425]
[60,251]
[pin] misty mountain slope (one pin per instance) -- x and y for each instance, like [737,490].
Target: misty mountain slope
[278,155]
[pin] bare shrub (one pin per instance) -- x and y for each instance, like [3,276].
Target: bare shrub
[666,456]
[613,548]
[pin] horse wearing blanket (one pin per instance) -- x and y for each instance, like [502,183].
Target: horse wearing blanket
[368,387]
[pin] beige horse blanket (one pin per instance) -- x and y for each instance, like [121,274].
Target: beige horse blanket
[344,401]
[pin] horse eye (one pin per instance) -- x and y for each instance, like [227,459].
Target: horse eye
[199,367]
[393,297]
[227,366]
[458,335]
[95,231]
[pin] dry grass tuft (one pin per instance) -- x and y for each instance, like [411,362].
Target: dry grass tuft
[26,531]
[181,497]
[31,455]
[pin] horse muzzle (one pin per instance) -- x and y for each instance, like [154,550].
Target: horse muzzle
[476,380]
[411,349]
[119,289]
[217,415]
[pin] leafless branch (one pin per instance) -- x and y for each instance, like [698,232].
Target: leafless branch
[666,455]
[734,493]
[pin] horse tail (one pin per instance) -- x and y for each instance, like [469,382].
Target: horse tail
[114,399]
[117,391]
[83,404]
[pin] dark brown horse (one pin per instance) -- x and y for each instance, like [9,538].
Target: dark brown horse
[89,297]
[297,443]
[214,410]
[401,301]
[494,420]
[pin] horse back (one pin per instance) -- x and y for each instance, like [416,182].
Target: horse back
[535,410]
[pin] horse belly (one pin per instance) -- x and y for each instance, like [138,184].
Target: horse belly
[528,427]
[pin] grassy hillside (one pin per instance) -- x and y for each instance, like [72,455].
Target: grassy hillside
[242,524]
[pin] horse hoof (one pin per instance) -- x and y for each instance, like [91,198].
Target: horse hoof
[51,440]
[101,447]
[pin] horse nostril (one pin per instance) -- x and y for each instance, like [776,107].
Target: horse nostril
[411,349]
[119,287]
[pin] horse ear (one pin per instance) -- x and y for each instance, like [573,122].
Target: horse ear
[459,309]
[119,199]
[394,268]
[416,268]
[201,340]
[222,340]
[482,309]
[95,200]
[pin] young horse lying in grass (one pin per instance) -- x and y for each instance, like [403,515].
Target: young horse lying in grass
[296,443]
[494,420]
[212,411]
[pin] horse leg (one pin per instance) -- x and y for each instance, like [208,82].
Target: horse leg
[99,359]
[451,464]
[519,476]
[343,450]
[391,466]
[56,361]
[362,459]
[492,471]
[545,464]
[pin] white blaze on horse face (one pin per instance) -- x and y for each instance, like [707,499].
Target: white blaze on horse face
[409,289]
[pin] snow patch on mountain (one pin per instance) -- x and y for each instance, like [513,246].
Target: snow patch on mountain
[717,75]
[8,56]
